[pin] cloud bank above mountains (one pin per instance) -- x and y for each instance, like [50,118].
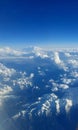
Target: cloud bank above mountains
[39,82]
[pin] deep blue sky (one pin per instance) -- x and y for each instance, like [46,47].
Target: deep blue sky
[42,22]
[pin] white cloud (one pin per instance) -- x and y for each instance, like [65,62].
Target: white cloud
[67,81]
[7,89]
[57,58]
[17,115]
[56,86]
[23,113]
[74,74]
[68,105]
[67,54]
[74,63]
[7,51]
[4,93]
[23,81]
[63,86]
[31,75]
[57,105]
[6,72]
[46,107]
[59,62]
[40,52]
[54,96]
[47,104]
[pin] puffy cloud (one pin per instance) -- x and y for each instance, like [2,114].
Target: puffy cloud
[6,72]
[64,86]
[67,54]
[57,85]
[23,81]
[74,63]
[67,81]
[5,90]
[7,51]
[40,52]
[74,74]
[47,100]
[59,62]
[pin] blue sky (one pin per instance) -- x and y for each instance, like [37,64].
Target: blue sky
[39,22]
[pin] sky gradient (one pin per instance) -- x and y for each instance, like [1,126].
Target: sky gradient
[39,22]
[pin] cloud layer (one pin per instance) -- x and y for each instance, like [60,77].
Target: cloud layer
[44,85]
